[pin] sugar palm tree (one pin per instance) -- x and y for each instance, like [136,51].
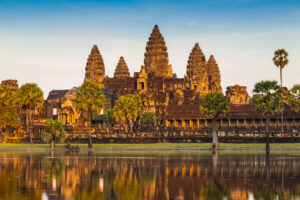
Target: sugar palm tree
[280,59]
[29,98]
[89,97]
[213,105]
[268,103]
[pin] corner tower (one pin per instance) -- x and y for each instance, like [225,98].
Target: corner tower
[95,70]
[214,77]
[156,56]
[197,70]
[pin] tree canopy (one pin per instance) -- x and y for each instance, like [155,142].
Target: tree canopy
[9,115]
[148,118]
[89,96]
[214,104]
[294,99]
[56,131]
[128,108]
[280,58]
[30,96]
[269,100]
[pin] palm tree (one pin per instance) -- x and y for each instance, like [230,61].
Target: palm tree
[280,59]
[268,102]
[29,97]
[294,99]
[213,105]
[89,97]
[56,131]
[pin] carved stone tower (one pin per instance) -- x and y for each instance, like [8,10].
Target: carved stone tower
[156,55]
[121,69]
[197,70]
[95,70]
[214,77]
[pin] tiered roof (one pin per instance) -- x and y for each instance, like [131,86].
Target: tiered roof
[121,69]
[196,66]
[156,55]
[95,70]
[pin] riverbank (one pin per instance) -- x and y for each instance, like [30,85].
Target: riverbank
[156,146]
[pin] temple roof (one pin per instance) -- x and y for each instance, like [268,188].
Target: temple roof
[121,69]
[95,70]
[156,56]
[196,66]
[212,66]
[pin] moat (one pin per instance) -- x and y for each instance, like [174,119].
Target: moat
[149,175]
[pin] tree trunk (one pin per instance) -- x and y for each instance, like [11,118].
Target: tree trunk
[28,125]
[282,96]
[214,135]
[131,125]
[52,141]
[89,123]
[267,134]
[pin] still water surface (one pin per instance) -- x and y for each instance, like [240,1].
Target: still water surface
[149,175]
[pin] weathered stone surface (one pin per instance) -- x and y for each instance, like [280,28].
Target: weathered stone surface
[95,70]
[12,84]
[237,94]
[197,70]
[156,55]
[121,69]
[214,76]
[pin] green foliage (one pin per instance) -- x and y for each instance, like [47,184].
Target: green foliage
[30,96]
[148,118]
[214,104]
[109,117]
[9,116]
[269,100]
[280,58]
[89,96]
[128,107]
[294,99]
[56,131]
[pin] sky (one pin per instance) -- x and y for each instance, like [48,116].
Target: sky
[48,42]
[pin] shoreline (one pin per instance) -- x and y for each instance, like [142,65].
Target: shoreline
[155,147]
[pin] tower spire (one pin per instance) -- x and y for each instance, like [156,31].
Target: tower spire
[121,69]
[95,69]
[156,56]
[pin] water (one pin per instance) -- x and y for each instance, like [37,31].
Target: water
[149,175]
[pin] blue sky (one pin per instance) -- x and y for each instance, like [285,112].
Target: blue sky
[48,42]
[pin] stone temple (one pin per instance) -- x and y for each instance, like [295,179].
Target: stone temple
[162,92]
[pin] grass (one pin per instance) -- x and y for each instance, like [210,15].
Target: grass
[160,146]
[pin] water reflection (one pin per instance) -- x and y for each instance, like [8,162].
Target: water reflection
[148,176]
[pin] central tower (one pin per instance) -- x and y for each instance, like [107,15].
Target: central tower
[156,55]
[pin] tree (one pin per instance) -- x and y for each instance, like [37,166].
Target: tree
[9,116]
[213,105]
[280,59]
[294,99]
[127,109]
[56,132]
[148,118]
[89,97]
[268,102]
[110,118]
[29,98]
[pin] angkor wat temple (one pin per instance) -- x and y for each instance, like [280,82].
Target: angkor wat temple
[175,101]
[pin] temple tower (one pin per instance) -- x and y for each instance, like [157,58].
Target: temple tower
[156,55]
[197,70]
[95,70]
[214,77]
[121,69]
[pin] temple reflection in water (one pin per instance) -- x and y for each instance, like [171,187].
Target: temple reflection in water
[148,176]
